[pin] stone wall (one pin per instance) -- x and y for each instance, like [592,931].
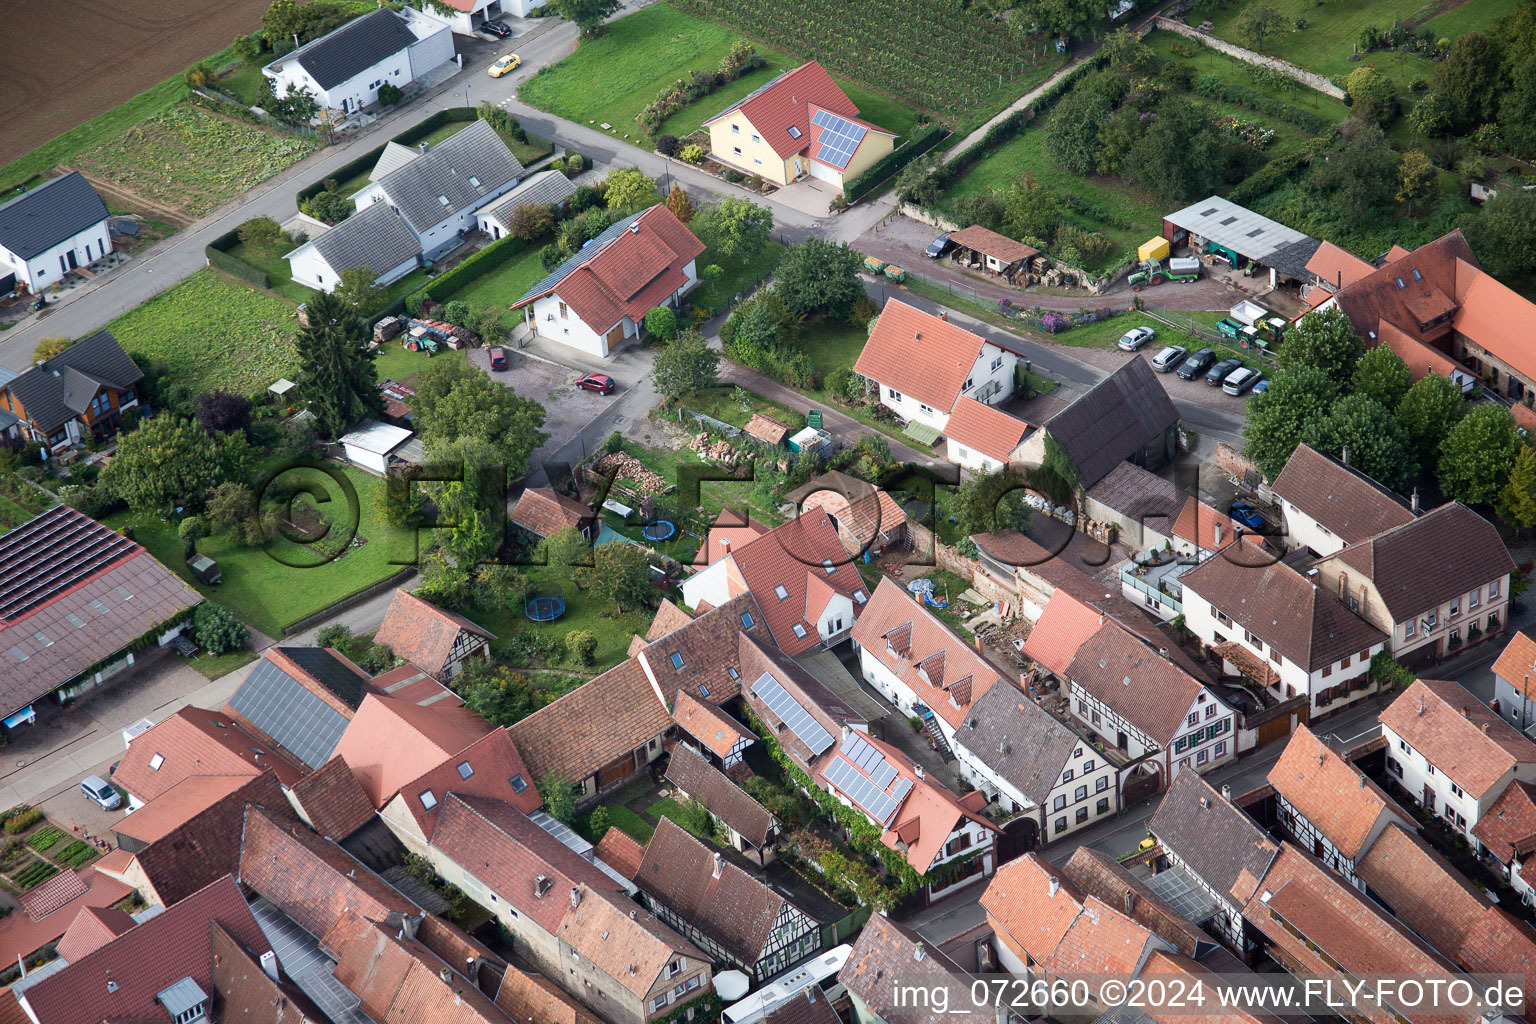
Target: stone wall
[1305,77]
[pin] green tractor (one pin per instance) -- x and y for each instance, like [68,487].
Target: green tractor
[1153,272]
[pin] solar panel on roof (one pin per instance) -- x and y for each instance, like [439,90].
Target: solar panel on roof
[877,803]
[793,714]
[279,706]
[45,556]
[310,969]
[839,138]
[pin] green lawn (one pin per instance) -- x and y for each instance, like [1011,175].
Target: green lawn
[626,820]
[20,501]
[739,278]
[505,284]
[276,268]
[721,404]
[1475,15]
[266,592]
[245,81]
[582,611]
[213,333]
[396,362]
[666,807]
[612,78]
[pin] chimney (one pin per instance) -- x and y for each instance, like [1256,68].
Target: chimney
[634,228]
[1414,501]
[1485,728]
[1226,792]
[1344,455]
[1055,885]
[713,874]
[1130,902]
[810,993]
[1162,652]
[269,965]
[1218,535]
[575,897]
[944,315]
[423,146]
[917,950]
[919,770]
[1362,780]
[446,973]
[1466,712]
[541,885]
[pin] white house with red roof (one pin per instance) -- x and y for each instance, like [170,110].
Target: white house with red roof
[799,124]
[924,365]
[598,298]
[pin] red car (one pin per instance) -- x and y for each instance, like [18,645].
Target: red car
[498,358]
[599,382]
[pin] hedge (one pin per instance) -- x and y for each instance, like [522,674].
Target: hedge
[924,139]
[352,168]
[219,258]
[499,252]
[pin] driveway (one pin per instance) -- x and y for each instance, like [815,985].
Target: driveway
[567,408]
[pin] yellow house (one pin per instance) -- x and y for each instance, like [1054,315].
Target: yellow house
[800,124]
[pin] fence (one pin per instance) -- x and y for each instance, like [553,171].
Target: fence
[229,103]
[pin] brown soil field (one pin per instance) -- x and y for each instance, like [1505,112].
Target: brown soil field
[70,62]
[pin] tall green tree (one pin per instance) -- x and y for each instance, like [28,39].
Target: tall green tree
[619,573]
[1325,341]
[1471,79]
[1278,419]
[1517,107]
[1072,133]
[1516,503]
[1372,94]
[1420,182]
[1476,456]
[987,502]
[339,381]
[1073,18]
[588,15]
[1503,234]
[360,291]
[818,276]
[733,229]
[630,189]
[1179,155]
[564,549]
[1382,375]
[1359,172]
[1428,411]
[1377,444]
[1258,22]
[453,402]
[171,463]
[687,365]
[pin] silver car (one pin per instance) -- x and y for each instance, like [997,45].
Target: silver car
[99,791]
[1169,358]
[1136,337]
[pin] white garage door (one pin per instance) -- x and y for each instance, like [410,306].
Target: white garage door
[825,173]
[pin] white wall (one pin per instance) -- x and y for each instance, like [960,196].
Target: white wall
[543,315]
[910,408]
[44,270]
[431,50]
[969,458]
[1086,770]
[838,610]
[308,267]
[358,91]
[1302,531]
[1415,773]
[712,585]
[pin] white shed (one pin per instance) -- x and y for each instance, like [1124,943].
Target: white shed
[370,445]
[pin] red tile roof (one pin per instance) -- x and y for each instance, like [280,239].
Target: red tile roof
[412,684]
[869,522]
[828,710]
[702,782]
[423,633]
[401,981]
[91,929]
[496,770]
[794,556]
[389,740]
[1422,359]
[990,431]
[1098,874]
[1065,625]
[1331,793]
[168,811]
[1338,266]
[703,656]
[631,275]
[668,617]
[1508,829]
[544,513]
[715,730]
[1496,317]
[990,243]
[1135,681]
[1206,528]
[1458,734]
[525,996]
[1348,503]
[242,990]
[943,670]
[42,900]
[766,429]
[620,851]
[731,532]
[1377,296]
[333,800]
[783,104]
[145,960]
[1424,891]
[195,741]
[886,950]
[920,355]
[596,723]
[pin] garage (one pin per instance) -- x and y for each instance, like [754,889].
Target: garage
[370,445]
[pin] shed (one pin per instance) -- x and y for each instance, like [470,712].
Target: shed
[371,443]
[1241,237]
[987,250]
[767,430]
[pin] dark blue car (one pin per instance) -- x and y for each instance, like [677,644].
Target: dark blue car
[1247,515]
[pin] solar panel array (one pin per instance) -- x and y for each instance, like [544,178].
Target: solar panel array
[46,556]
[793,714]
[873,763]
[279,706]
[839,138]
[876,802]
[311,970]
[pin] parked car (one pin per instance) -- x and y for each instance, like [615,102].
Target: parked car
[938,247]
[599,382]
[1136,337]
[1169,358]
[1218,373]
[100,792]
[511,62]
[499,29]
[1248,516]
[1261,387]
[498,358]
[1239,381]
[1197,364]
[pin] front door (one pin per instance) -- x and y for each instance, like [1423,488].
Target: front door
[70,256]
[1429,799]
[1120,740]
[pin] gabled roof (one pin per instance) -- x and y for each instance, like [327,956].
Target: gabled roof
[1064,625]
[240,985]
[783,104]
[668,617]
[1017,740]
[1113,420]
[868,520]
[715,730]
[422,633]
[195,742]
[353,48]
[1338,266]
[1140,496]
[394,156]
[919,354]
[761,663]
[91,929]
[1424,891]
[990,431]
[1378,296]
[720,796]
[1493,316]
[1226,223]
[375,237]
[1444,553]
[544,513]
[795,556]
[389,741]
[709,892]
[489,767]
[766,429]
[323,670]
[1289,612]
[525,996]
[546,188]
[1206,528]
[886,950]
[145,960]
[1221,844]
[1423,359]
[454,175]
[1458,734]
[1344,500]
[1508,829]
[1099,875]
[729,532]
[620,851]
[945,672]
[600,720]
[990,243]
[702,655]
[290,707]
[333,800]
[40,218]
[1331,793]
[172,808]
[1137,683]
[625,271]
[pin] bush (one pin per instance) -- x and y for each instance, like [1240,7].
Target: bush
[218,630]
[200,75]
[22,820]
[582,644]
[389,94]
[330,207]
[598,824]
[922,140]
[667,145]
[692,153]
[248,48]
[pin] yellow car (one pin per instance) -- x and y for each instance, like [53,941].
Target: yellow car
[511,62]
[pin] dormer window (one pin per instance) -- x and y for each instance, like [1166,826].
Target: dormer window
[859,596]
[184,1001]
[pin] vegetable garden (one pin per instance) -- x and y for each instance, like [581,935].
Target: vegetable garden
[934,54]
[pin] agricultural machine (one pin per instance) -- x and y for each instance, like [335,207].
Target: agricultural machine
[1154,272]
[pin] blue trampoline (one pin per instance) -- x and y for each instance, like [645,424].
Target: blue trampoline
[545,607]
[661,529]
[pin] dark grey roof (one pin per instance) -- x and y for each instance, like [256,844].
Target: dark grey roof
[61,388]
[547,188]
[355,47]
[1018,740]
[374,237]
[1215,839]
[1291,260]
[298,720]
[330,672]
[394,157]
[41,218]
[571,265]
[420,187]
[1116,418]
[1141,496]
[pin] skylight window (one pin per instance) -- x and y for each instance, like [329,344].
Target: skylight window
[780,592]
[733,673]
[703,690]
[99,607]
[800,631]
[794,132]
[124,593]
[858,595]
[746,620]
[465,770]
[75,620]
[428,799]
[677,660]
[1416,275]
[474,181]
[42,638]
[443,200]
[1400,284]
[518,783]
[826,563]
[156,761]
[18,654]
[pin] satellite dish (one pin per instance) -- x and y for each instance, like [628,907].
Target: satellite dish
[732,985]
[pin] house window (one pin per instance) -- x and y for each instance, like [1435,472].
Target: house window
[1081,815]
[1193,719]
[564,312]
[1095,717]
[518,783]
[963,452]
[1455,790]
[736,130]
[1327,671]
[674,968]
[746,620]
[926,408]
[703,690]
[100,405]
[1475,599]
[1080,793]
[1102,807]
[968,382]
[799,631]
[1100,784]
[893,394]
[1059,803]
[1066,776]
[1456,607]
[731,671]
[1493,590]
[1408,630]
[780,592]
[997,362]
[127,396]
[1202,757]
[466,771]
[677,660]
[1210,710]
[1087,766]
[755,138]
[428,799]
[736,150]
[1061,824]
[758,160]
[694,982]
[156,761]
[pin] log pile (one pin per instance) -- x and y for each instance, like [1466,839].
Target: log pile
[713,448]
[624,466]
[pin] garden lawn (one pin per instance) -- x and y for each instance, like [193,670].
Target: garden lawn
[721,403]
[582,611]
[505,284]
[276,268]
[739,278]
[1474,15]
[245,81]
[398,363]
[191,159]
[265,592]
[213,333]
[626,820]
[20,501]
[666,807]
